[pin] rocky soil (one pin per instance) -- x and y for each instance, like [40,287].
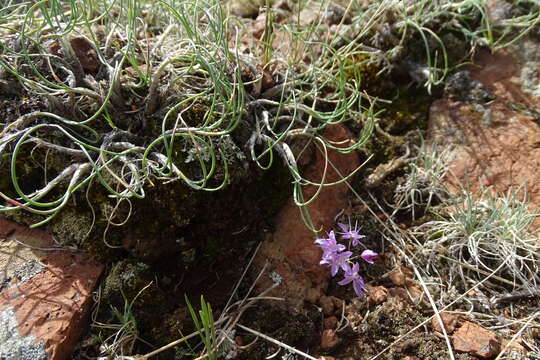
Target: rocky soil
[80,288]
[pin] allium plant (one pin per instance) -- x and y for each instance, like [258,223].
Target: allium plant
[339,257]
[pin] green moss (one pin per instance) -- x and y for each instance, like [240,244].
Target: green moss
[125,279]
[99,250]
[408,111]
[22,217]
[382,148]
[71,227]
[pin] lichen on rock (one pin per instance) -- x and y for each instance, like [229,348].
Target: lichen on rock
[13,346]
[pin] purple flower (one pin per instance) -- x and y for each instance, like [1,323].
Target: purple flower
[336,261]
[369,256]
[351,233]
[330,245]
[351,275]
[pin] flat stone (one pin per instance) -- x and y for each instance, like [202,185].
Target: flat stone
[377,294]
[45,294]
[475,340]
[450,321]
[338,303]
[513,348]
[327,305]
[495,145]
[330,323]
[401,276]
[329,340]
[291,251]
[85,52]
[401,294]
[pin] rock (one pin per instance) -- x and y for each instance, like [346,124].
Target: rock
[313,295]
[291,252]
[85,52]
[513,348]
[498,11]
[354,317]
[327,305]
[338,303]
[332,14]
[400,294]
[450,321]
[336,14]
[282,5]
[402,276]
[45,294]
[330,323]
[416,292]
[496,146]
[475,340]
[377,294]
[463,87]
[499,157]
[329,340]
[279,15]
[245,8]
[308,16]
[258,26]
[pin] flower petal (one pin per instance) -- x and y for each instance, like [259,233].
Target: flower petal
[343,227]
[369,256]
[334,269]
[359,286]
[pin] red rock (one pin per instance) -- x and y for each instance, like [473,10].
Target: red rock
[377,294]
[402,276]
[308,16]
[291,252]
[330,323]
[267,81]
[313,295]
[354,317]
[514,347]
[338,303]
[416,292]
[258,26]
[450,321]
[497,157]
[494,147]
[85,52]
[48,296]
[474,339]
[327,305]
[401,294]
[329,340]
[498,11]
[282,5]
